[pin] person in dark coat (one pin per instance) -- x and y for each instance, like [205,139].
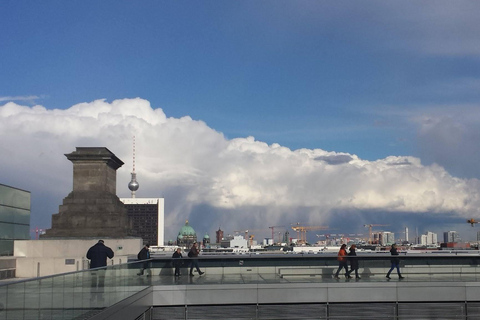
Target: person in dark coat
[98,255]
[395,262]
[193,253]
[353,261]
[176,262]
[342,261]
[144,254]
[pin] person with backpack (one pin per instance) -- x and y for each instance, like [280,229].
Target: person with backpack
[193,254]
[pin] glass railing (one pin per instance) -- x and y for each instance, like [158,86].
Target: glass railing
[79,295]
[75,295]
[372,266]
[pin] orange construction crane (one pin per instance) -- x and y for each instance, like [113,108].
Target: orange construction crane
[472,221]
[251,239]
[273,231]
[302,231]
[370,229]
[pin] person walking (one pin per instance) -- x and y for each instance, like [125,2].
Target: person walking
[395,262]
[342,261]
[176,262]
[193,254]
[98,255]
[144,254]
[353,261]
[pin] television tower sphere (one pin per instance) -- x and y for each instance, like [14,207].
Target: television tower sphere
[133,184]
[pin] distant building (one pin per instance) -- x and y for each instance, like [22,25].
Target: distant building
[186,236]
[225,242]
[238,242]
[14,217]
[206,241]
[455,245]
[219,236]
[386,238]
[147,217]
[451,236]
[428,239]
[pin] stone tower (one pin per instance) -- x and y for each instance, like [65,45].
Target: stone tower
[92,209]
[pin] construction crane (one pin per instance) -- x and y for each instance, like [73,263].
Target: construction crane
[370,229]
[38,232]
[251,239]
[302,231]
[273,231]
[472,221]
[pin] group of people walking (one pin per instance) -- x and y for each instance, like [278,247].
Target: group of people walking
[99,253]
[192,254]
[144,254]
[344,257]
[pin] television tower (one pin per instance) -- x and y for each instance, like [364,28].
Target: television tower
[133,184]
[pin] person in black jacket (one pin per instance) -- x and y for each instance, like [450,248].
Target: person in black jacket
[98,255]
[395,262]
[144,254]
[176,262]
[353,261]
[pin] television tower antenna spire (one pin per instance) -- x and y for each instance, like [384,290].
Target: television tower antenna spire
[133,184]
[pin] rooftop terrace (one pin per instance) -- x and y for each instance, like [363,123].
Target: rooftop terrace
[256,287]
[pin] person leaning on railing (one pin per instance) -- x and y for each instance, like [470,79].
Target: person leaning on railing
[98,255]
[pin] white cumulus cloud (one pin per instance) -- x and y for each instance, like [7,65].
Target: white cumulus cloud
[207,178]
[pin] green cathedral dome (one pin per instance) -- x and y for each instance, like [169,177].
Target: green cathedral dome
[187,230]
[186,236]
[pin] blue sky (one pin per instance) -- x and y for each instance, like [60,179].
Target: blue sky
[372,78]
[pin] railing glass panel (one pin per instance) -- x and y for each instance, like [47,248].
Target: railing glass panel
[85,293]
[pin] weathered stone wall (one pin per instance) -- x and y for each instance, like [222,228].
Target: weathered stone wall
[92,209]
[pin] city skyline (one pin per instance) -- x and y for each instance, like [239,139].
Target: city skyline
[251,114]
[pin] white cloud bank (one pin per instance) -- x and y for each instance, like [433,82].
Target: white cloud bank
[193,165]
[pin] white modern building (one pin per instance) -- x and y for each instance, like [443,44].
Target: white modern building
[429,238]
[238,242]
